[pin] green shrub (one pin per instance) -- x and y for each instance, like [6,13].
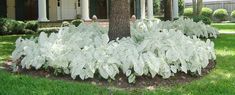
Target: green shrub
[65,23]
[207,12]
[204,19]
[19,27]
[14,27]
[188,12]
[233,14]
[76,22]
[181,7]
[10,26]
[159,17]
[156,7]
[32,25]
[220,14]
[49,30]
[27,31]
[2,27]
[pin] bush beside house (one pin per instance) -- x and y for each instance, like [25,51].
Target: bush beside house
[188,12]
[181,7]
[202,18]
[205,15]
[220,14]
[76,22]
[32,25]
[207,12]
[10,26]
[233,16]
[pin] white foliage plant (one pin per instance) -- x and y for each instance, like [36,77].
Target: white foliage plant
[85,50]
[187,26]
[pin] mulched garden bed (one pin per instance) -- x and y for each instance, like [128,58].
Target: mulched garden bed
[121,80]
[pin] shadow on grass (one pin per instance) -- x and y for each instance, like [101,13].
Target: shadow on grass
[220,81]
[7,45]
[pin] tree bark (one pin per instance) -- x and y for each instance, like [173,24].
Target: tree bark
[199,6]
[194,7]
[119,22]
[168,9]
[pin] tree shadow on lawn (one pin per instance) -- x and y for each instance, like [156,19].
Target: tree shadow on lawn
[5,49]
[219,81]
[7,45]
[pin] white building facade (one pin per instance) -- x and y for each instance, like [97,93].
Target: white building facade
[53,10]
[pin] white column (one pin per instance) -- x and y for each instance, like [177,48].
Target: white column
[42,10]
[175,9]
[85,9]
[150,9]
[142,9]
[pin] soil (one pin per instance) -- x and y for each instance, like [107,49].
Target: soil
[121,80]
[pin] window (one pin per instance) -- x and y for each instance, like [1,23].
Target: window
[79,3]
[58,3]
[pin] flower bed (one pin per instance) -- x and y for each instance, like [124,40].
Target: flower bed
[85,50]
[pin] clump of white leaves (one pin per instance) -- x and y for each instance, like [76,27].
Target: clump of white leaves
[187,26]
[84,50]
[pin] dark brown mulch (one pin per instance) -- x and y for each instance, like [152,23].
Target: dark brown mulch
[121,80]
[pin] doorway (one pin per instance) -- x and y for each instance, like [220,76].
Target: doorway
[99,8]
[132,7]
[68,9]
[101,12]
[3,8]
[26,9]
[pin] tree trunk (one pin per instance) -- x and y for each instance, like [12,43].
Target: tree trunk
[168,9]
[199,6]
[119,22]
[194,7]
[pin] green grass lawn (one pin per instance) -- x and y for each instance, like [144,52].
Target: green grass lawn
[224,27]
[7,45]
[221,80]
[227,30]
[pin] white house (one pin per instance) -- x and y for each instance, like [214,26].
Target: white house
[52,10]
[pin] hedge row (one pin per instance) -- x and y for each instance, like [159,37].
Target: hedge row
[219,14]
[10,26]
